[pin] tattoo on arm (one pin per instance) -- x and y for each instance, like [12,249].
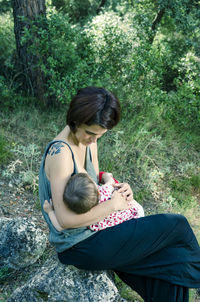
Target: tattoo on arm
[55,148]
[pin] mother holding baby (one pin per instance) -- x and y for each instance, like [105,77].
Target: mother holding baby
[158,256]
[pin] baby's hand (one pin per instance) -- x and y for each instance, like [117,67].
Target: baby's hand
[47,207]
[107,178]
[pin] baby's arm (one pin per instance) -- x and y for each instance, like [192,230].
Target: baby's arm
[107,178]
[48,208]
[106,190]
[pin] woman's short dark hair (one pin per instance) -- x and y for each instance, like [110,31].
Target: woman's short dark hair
[80,193]
[93,106]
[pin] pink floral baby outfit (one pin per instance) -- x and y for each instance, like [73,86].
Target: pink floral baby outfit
[115,217]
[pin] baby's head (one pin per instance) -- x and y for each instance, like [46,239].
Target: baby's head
[80,194]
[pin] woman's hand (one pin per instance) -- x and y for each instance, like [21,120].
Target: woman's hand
[119,202]
[125,190]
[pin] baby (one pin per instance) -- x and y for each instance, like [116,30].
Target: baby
[81,194]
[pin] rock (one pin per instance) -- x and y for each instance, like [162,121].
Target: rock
[57,282]
[1,211]
[21,242]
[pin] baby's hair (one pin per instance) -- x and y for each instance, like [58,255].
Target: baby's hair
[80,194]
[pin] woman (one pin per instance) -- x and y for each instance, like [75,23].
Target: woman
[158,256]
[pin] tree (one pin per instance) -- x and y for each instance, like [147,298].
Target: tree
[30,14]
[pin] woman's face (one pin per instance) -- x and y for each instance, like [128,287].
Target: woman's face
[87,135]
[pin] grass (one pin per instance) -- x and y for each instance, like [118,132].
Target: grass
[5,154]
[161,163]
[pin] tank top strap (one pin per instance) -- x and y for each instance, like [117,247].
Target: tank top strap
[60,141]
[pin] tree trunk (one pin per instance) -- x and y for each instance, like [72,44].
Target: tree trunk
[28,13]
[158,18]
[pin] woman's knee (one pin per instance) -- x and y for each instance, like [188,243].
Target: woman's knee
[182,227]
[174,219]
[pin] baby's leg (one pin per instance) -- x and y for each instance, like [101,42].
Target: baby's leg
[47,207]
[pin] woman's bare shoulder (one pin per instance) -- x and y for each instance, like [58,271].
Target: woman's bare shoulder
[59,160]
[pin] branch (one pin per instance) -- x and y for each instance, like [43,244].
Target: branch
[158,18]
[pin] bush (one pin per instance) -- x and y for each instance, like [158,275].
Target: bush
[97,54]
[112,41]
[63,55]
[183,108]
[5,154]
[76,9]
[7,43]
[24,165]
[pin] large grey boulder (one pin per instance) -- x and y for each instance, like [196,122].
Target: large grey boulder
[55,282]
[21,242]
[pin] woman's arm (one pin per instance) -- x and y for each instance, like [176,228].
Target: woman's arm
[60,168]
[97,213]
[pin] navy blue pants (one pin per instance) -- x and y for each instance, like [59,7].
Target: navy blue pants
[158,256]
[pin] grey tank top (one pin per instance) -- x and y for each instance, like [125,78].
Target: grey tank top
[64,239]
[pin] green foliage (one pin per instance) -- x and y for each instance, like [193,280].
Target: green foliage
[76,10]
[24,166]
[7,43]
[5,6]
[183,108]
[116,45]
[8,74]
[111,42]
[5,154]
[10,99]
[60,59]
[4,92]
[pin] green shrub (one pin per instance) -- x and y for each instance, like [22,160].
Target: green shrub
[96,54]
[183,108]
[24,165]
[76,9]
[5,154]
[112,41]
[5,92]
[63,55]
[7,43]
